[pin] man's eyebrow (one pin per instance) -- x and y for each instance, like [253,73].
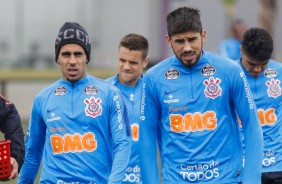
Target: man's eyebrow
[69,53]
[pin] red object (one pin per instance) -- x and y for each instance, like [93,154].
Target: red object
[5,163]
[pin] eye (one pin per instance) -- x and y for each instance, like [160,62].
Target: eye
[121,60]
[78,54]
[179,41]
[133,62]
[65,54]
[265,64]
[192,39]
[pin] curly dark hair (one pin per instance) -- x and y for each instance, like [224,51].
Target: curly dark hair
[257,44]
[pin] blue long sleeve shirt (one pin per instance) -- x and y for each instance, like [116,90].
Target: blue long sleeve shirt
[266,90]
[132,98]
[193,111]
[80,131]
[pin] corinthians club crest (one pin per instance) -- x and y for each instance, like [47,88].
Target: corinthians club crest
[212,89]
[93,107]
[274,89]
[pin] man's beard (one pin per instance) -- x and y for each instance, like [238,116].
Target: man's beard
[190,65]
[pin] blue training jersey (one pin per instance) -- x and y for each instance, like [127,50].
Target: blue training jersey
[266,90]
[195,110]
[132,98]
[81,132]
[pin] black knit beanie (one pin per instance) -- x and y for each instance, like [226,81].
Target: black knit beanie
[72,32]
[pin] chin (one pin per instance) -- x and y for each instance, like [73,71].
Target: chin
[70,79]
[189,64]
[255,75]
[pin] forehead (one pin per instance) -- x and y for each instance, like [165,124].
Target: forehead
[126,53]
[71,47]
[253,61]
[185,35]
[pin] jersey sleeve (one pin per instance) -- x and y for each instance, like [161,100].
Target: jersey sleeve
[149,134]
[252,131]
[120,130]
[34,144]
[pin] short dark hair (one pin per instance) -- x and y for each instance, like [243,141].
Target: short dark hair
[184,19]
[135,42]
[257,44]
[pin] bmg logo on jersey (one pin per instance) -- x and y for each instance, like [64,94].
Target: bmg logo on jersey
[267,117]
[135,132]
[193,122]
[71,143]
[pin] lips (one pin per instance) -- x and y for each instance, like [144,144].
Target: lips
[188,56]
[126,72]
[72,71]
[256,74]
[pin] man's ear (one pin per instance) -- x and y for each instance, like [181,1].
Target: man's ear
[168,40]
[241,50]
[145,62]
[204,35]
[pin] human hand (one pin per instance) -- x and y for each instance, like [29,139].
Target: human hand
[14,168]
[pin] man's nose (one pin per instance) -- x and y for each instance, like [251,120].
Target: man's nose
[126,65]
[72,59]
[187,46]
[257,68]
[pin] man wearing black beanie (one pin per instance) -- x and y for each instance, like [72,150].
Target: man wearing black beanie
[72,32]
[78,125]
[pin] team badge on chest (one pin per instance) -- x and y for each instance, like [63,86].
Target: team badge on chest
[212,89]
[208,70]
[274,89]
[172,74]
[93,107]
[59,91]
